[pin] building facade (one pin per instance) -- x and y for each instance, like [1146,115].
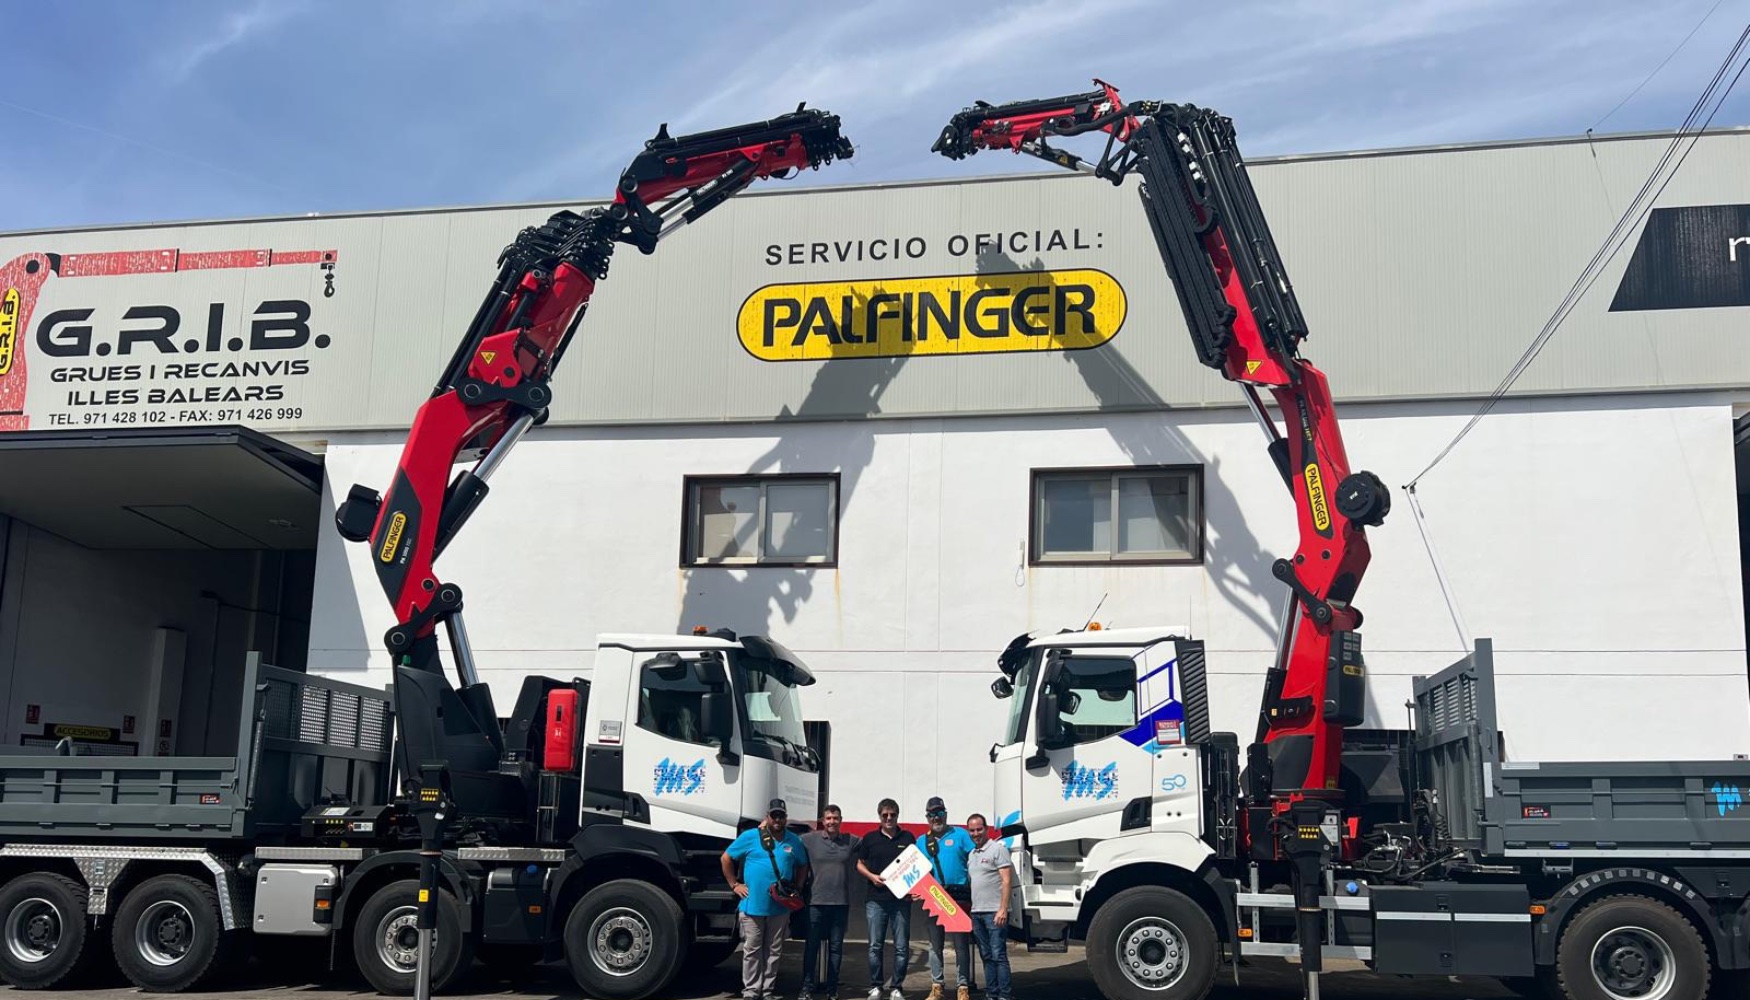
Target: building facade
[897,425]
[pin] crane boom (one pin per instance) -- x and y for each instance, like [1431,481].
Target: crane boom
[497,383]
[1245,322]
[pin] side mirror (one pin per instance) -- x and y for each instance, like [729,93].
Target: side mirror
[1047,727]
[715,708]
[1002,688]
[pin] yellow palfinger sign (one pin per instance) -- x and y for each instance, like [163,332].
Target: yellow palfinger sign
[956,314]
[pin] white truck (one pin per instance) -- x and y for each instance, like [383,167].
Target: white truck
[1126,820]
[597,813]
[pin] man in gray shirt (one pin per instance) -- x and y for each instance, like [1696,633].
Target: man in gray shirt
[993,878]
[831,859]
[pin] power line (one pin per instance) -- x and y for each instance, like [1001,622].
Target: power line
[1656,69]
[1637,209]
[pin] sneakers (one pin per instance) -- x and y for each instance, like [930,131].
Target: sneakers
[874,993]
[896,995]
[935,992]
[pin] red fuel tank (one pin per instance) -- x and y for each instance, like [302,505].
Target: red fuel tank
[560,751]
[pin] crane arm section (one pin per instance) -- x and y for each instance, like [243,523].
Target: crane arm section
[497,383]
[1246,323]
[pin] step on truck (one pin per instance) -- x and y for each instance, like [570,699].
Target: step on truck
[414,828]
[1580,880]
[596,817]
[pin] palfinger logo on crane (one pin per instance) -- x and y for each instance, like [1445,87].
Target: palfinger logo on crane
[392,539]
[8,329]
[1067,310]
[1315,494]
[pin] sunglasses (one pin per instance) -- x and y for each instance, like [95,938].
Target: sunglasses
[889,815]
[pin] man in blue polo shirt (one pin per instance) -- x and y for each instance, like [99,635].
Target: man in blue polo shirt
[766,857]
[948,849]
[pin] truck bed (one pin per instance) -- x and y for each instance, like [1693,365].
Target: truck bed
[1583,809]
[301,740]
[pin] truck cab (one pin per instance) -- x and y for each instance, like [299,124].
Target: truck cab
[1096,768]
[696,734]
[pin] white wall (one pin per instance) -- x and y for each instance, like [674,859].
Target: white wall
[1594,539]
[78,627]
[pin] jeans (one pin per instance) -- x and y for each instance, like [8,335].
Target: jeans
[993,943]
[826,927]
[762,942]
[962,954]
[884,912]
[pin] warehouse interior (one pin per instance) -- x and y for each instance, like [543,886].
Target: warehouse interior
[137,567]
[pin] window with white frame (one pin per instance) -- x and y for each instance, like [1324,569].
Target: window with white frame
[1122,515]
[782,520]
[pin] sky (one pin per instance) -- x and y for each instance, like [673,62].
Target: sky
[116,111]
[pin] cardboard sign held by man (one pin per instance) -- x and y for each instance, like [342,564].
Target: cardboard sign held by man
[909,875]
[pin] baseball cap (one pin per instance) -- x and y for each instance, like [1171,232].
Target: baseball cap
[935,805]
[777,806]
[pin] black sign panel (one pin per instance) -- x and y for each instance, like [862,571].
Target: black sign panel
[1692,257]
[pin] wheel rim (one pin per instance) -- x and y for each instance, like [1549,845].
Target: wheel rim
[1633,963]
[619,941]
[165,933]
[33,930]
[1152,953]
[398,939]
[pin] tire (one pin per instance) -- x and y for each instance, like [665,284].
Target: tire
[385,944]
[1630,946]
[624,940]
[168,936]
[1150,943]
[43,931]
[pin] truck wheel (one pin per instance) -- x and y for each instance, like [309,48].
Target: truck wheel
[385,940]
[624,940]
[1150,943]
[1630,947]
[44,929]
[168,935]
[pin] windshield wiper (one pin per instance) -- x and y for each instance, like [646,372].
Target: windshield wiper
[803,752]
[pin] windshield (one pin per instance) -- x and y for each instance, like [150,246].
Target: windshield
[1019,701]
[773,710]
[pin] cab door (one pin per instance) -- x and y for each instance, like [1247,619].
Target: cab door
[673,751]
[1079,772]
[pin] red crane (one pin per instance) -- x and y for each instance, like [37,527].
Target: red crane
[1246,323]
[497,384]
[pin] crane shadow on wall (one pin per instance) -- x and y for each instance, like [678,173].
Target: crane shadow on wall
[1233,556]
[744,597]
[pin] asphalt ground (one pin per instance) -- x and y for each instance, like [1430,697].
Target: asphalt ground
[1036,976]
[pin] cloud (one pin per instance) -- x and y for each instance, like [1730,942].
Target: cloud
[233,29]
[415,103]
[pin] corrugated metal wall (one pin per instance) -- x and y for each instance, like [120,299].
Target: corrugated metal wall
[1421,273]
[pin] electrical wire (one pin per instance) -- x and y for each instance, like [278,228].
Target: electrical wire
[1656,69]
[1637,209]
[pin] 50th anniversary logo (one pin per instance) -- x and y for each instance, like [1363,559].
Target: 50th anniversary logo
[1062,310]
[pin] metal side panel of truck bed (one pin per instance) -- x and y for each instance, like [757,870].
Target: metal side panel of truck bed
[1586,809]
[300,740]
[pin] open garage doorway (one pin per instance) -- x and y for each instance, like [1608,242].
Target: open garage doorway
[137,568]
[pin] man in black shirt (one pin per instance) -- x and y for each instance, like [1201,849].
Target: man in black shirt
[878,849]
